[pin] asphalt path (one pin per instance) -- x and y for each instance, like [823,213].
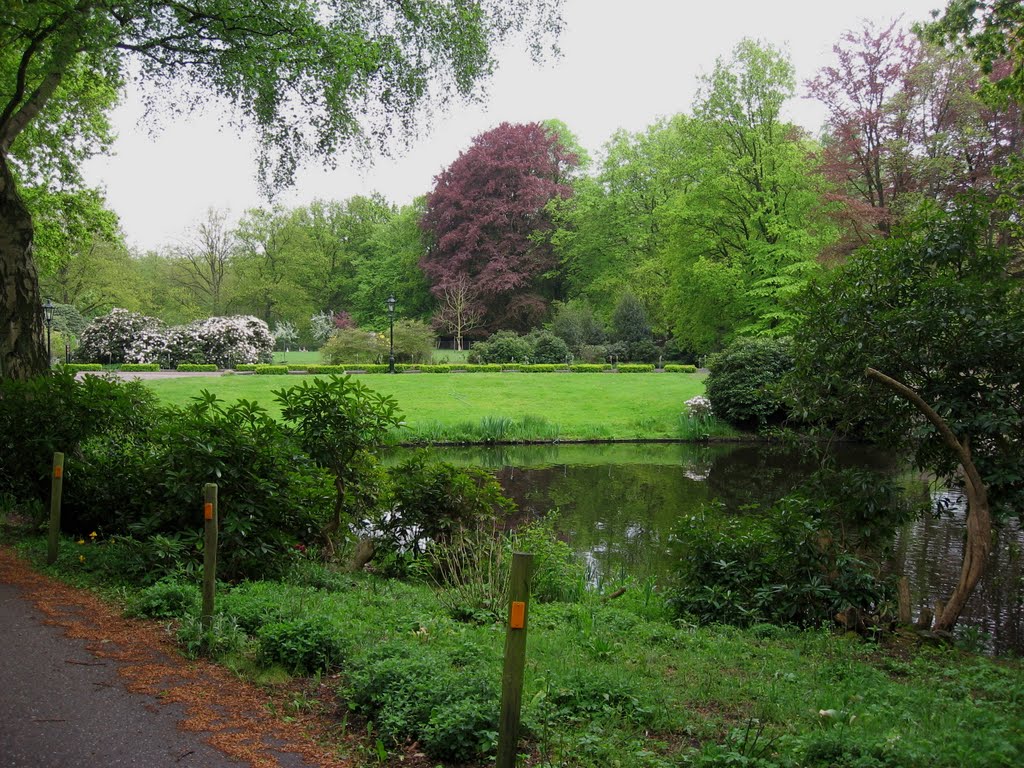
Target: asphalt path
[61,706]
[80,686]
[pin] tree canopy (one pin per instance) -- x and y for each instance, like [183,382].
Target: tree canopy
[311,78]
[488,220]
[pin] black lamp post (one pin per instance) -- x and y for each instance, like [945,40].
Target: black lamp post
[391,346]
[48,316]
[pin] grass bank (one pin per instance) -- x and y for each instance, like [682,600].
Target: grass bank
[494,407]
[608,682]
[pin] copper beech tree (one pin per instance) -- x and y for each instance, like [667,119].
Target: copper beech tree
[311,77]
[488,220]
[918,343]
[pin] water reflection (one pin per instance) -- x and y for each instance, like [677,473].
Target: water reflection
[618,505]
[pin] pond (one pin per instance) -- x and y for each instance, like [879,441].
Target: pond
[618,505]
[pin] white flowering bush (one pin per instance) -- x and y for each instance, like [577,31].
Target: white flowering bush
[122,337]
[698,407]
[221,341]
[128,337]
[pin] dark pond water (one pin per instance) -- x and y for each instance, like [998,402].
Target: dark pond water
[618,505]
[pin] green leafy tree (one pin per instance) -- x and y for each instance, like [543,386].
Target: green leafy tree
[745,235]
[611,232]
[310,77]
[390,267]
[269,266]
[339,421]
[919,342]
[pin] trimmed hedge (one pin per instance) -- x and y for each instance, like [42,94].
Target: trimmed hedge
[542,368]
[139,367]
[76,367]
[272,370]
[591,367]
[636,368]
[478,367]
[511,366]
[201,367]
[672,368]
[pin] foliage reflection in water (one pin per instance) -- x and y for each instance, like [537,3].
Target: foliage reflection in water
[618,506]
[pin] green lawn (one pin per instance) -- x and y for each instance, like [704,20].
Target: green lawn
[479,407]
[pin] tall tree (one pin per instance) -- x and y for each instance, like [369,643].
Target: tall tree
[391,268]
[201,263]
[271,260]
[906,123]
[611,232]
[488,218]
[747,229]
[311,77]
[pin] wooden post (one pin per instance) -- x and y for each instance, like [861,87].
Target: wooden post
[903,595]
[56,488]
[209,553]
[515,660]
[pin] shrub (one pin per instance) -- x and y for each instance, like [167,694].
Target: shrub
[167,599]
[502,347]
[479,368]
[351,345]
[541,368]
[122,337]
[270,494]
[414,341]
[140,367]
[271,370]
[338,421]
[636,368]
[783,566]
[744,382]
[435,368]
[52,413]
[590,368]
[222,341]
[576,324]
[210,368]
[246,367]
[557,573]
[302,646]
[675,368]
[548,348]
[447,700]
[432,499]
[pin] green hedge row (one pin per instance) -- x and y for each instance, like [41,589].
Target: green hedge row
[197,367]
[458,368]
[139,367]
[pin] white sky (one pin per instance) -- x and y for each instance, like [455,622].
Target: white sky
[624,64]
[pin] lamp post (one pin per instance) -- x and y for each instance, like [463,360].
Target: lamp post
[391,323]
[48,317]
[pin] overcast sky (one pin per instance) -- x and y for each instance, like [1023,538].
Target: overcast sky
[624,64]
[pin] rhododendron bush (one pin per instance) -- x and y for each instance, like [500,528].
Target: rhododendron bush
[128,337]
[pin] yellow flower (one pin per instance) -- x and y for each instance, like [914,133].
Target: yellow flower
[93,535]
[81,541]
[81,558]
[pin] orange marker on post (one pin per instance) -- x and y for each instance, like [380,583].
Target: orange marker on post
[208,511]
[517,616]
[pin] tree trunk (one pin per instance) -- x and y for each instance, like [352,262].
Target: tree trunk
[976,551]
[979,516]
[22,346]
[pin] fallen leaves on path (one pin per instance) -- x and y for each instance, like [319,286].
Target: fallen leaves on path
[232,712]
